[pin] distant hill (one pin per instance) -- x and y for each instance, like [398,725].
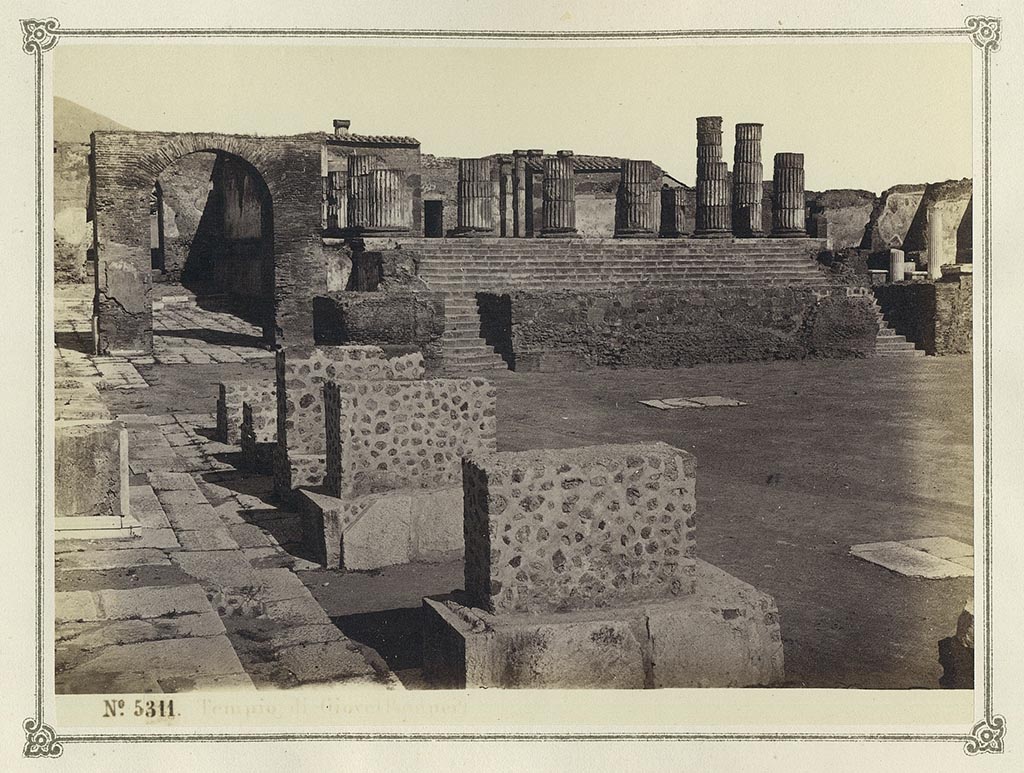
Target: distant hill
[74,123]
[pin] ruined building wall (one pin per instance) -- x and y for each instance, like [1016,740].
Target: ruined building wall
[124,168]
[72,231]
[185,188]
[937,316]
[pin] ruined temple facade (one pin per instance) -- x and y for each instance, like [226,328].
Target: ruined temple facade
[279,222]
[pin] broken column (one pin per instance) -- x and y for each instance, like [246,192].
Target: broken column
[580,572]
[475,197]
[301,372]
[559,207]
[673,213]
[393,488]
[788,206]
[713,211]
[747,177]
[897,263]
[390,207]
[359,168]
[635,217]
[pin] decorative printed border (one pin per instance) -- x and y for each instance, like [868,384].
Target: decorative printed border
[42,35]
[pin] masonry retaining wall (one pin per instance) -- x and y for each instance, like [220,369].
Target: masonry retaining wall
[937,316]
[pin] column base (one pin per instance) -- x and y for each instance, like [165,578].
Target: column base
[725,634]
[464,232]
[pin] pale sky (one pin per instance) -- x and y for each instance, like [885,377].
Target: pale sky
[866,114]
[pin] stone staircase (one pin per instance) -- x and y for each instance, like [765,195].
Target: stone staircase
[889,343]
[464,350]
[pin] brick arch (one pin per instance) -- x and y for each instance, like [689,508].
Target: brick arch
[123,168]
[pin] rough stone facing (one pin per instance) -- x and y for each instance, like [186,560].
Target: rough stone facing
[383,436]
[259,394]
[558,530]
[301,375]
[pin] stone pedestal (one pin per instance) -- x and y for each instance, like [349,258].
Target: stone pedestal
[259,393]
[580,572]
[747,178]
[634,216]
[90,469]
[936,256]
[475,197]
[559,207]
[897,265]
[713,210]
[673,213]
[788,205]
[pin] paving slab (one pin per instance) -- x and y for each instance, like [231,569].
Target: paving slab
[217,568]
[149,602]
[170,665]
[207,539]
[943,547]
[145,538]
[193,517]
[111,559]
[171,481]
[144,506]
[908,561]
[94,634]
[327,662]
[75,606]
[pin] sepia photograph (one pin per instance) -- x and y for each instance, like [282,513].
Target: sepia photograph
[534,365]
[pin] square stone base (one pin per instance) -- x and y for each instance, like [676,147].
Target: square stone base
[378,530]
[724,635]
[90,469]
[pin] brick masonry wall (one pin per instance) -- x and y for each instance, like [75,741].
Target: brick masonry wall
[259,394]
[670,327]
[384,436]
[301,373]
[936,316]
[124,168]
[557,530]
[383,318]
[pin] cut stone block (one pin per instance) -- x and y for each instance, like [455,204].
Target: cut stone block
[556,530]
[91,469]
[942,547]
[382,529]
[725,634]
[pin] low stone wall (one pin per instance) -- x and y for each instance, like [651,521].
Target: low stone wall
[259,394]
[555,530]
[554,330]
[937,316]
[258,437]
[386,436]
[301,373]
[397,317]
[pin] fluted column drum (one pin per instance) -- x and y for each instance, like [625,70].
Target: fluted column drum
[635,216]
[673,212]
[476,196]
[788,214]
[389,208]
[337,201]
[747,179]
[559,207]
[709,141]
[713,210]
[359,168]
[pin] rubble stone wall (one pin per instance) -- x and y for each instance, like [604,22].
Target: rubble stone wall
[259,394]
[936,316]
[385,436]
[666,327]
[558,530]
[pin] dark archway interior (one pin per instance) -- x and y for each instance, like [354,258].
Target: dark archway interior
[212,232]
